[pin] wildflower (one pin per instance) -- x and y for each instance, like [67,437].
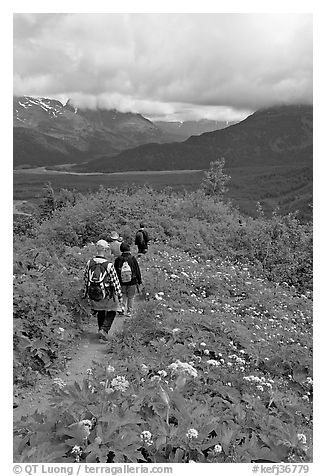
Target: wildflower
[302,438]
[192,433]
[183,368]
[217,449]
[206,352]
[119,383]
[144,369]
[97,440]
[203,344]
[162,373]
[174,331]
[61,329]
[213,362]
[77,451]
[59,382]
[309,380]
[259,387]
[88,425]
[89,371]
[146,436]
[155,378]
[305,398]
[109,370]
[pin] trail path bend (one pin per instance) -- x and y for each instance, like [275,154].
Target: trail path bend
[88,349]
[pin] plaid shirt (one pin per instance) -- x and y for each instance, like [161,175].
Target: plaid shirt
[113,277]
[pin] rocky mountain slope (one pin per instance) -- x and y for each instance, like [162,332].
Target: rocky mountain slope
[48,132]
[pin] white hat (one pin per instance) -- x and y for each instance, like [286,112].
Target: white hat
[103,243]
[114,235]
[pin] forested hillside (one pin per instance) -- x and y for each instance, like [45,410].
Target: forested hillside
[216,365]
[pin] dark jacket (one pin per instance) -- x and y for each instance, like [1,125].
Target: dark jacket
[142,238]
[133,263]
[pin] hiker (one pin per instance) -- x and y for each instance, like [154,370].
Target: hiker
[103,288]
[142,239]
[115,244]
[129,276]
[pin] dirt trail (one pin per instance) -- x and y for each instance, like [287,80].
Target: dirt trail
[88,349]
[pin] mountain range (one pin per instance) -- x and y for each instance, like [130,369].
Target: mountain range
[47,132]
[274,136]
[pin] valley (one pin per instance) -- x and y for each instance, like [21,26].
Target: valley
[285,186]
[269,155]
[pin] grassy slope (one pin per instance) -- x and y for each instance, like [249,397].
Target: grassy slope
[208,311]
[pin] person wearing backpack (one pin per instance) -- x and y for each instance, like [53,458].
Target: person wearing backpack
[142,239]
[129,276]
[115,244]
[103,288]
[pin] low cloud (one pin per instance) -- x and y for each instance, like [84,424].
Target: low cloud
[171,65]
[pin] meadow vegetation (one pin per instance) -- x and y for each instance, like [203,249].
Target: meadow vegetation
[217,364]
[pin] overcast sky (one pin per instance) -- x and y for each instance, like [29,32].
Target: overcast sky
[166,66]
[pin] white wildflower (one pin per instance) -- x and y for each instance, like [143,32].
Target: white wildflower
[174,331]
[87,424]
[302,438]
[61,329]
[183,368]
[206,352]
[191,345]
[77,452]
[162,373]
[98,440]
[119,383]
[203,344]
[146,436]
[109,370]
[155,378]
[217,449]
[89,372]
[76,449]
[59,382]
[192,433]
[213,362]
[259,387]
[144,369]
